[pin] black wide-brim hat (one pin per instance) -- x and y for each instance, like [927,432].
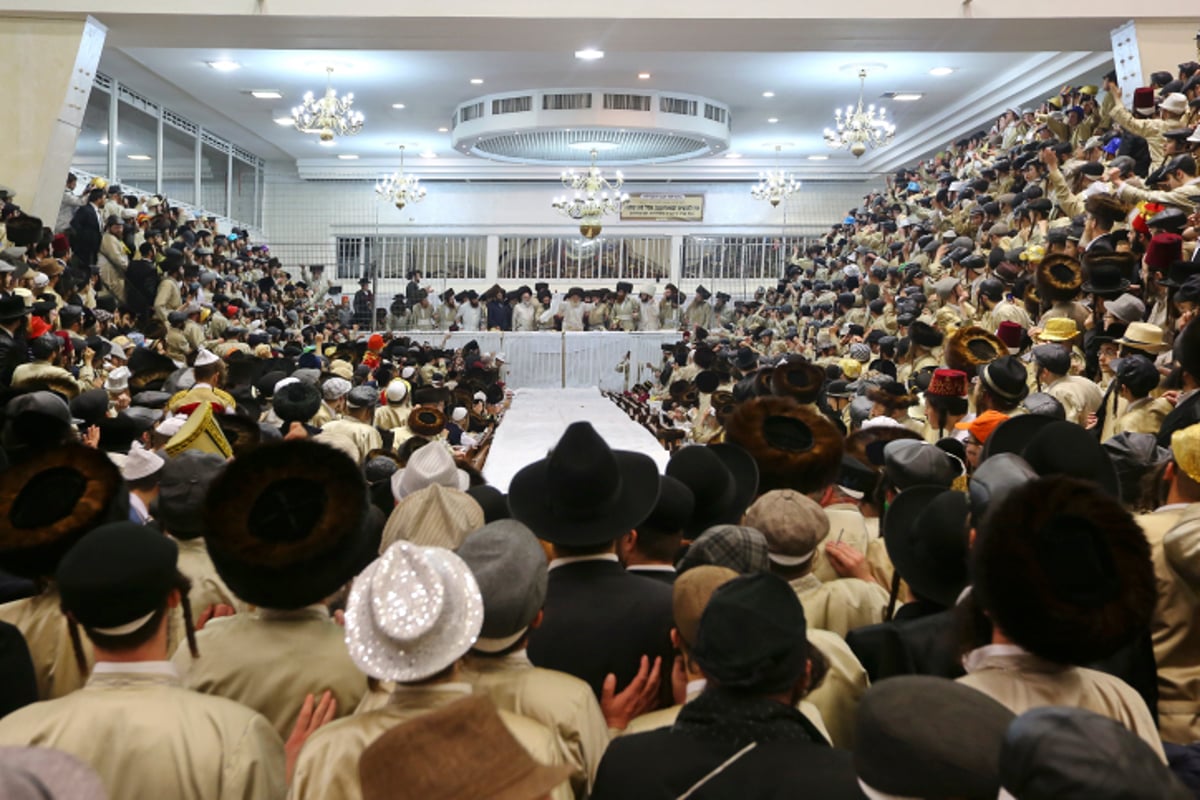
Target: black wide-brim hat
[1064,448]
[286,524]
[1107,274]
[794,446]
[1014,433]
[50,501]
[148,369]
[584,494]
[745,477]
[925,532]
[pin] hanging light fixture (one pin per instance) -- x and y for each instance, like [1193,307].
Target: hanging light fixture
[594,197]
[775,185]
[399,189]
[328,116]
[857,128]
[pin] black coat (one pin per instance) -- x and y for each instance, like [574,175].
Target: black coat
[13,352]
[600,619]
[1182,416]
[660,575]
[86,234]
[19,687]
[141,286]
[665,764]
[930,645]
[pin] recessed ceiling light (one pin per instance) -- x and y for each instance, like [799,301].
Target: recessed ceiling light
[476,81]
[139,157]
[733,155]
[907,97]
[589,54]
[397,105]
[329,143]
[768,94]
[818,158]
[443,130]
[266,94]
[224,66]
[104,142]
[772,120]
[941,71]
[347,157]
[428,154]
[285,121]
[643,76]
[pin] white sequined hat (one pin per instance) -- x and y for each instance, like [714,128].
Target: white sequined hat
[412,613]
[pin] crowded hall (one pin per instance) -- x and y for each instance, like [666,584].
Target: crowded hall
[517,405]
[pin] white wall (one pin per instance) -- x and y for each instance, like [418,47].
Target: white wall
[302,217]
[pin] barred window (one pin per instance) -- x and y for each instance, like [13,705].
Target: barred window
[450,257]
[758,258]
[548,258]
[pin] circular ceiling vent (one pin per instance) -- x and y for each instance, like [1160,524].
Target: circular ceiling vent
[564,126]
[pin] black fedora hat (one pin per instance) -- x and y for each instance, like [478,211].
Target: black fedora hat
[286,524]
[925,532]
[1106,274]
[53,499]
[584,493]
[1064,448]
[745,475]
[1013,434]
[1178,272]
[12,307]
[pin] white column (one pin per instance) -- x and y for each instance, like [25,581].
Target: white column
[676,259]
[492,266]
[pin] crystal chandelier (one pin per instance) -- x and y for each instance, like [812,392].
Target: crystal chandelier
[594,197]
[400,189]
[859,128]
[775,185]
[330,116]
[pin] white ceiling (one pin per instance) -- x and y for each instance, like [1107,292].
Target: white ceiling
[996,64]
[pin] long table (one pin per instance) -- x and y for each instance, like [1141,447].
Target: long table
[550,359]
[538,417]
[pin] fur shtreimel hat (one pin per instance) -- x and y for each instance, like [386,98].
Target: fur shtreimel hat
[972,347]
[286,524]
[892,395]
[1064,571]
[1059,277]
[794,446]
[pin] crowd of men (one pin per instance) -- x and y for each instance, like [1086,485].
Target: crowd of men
[938,535]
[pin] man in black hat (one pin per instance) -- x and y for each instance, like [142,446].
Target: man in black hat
[364,305]
[14,351]
[602,624]
[699,313]
[650,549]
[624,308]
[743,735]
[143,733]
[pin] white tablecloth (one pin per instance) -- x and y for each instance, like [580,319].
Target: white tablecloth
[551,360]
[538,417]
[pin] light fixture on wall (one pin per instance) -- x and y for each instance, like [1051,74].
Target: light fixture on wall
[399,189]
[775,185]
[328,116]
[594,197]
[858,128]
